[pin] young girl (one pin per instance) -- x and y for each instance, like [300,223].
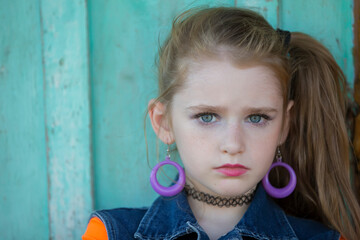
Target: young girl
[239,99]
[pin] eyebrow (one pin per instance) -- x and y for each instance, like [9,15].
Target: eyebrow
[202,107]
[261,109]
[208,108]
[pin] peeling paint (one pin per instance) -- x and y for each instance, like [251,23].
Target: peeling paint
[67,115]
[61,62]
[338,43]
[2,70]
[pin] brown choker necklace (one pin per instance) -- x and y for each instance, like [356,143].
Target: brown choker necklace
[219,201]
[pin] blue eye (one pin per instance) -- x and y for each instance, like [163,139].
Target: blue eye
[259,120]
[255,118]
[207,118]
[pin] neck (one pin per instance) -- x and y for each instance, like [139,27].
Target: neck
[216,221]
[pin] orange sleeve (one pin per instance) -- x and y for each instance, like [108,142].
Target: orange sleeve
[95,230]
[342,238]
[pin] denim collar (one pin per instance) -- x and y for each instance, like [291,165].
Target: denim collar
[265,219]
[169,218]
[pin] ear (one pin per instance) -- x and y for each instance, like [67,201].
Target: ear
[285,130]
[160,122]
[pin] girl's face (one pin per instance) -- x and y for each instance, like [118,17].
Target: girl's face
[227,123]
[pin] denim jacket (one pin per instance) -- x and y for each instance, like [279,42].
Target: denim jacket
[172,218]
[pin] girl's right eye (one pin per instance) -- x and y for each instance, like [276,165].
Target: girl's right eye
[206,118]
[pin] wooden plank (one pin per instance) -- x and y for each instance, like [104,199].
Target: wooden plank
[328,21]
[23,180]
[67,112]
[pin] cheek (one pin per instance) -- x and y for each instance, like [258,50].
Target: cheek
[192,145]
[263,146]
[188,133]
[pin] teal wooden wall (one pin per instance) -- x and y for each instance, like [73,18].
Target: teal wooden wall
[75,79]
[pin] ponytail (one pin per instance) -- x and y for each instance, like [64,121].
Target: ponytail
[318,144]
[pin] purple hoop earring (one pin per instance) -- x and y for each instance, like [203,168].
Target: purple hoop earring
[167,191]
[280,192]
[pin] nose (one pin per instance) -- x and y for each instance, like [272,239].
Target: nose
[233,140]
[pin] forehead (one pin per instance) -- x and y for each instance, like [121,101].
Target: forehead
[219,81]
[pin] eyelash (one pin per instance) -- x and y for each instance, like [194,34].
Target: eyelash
[263,121]
[199,115]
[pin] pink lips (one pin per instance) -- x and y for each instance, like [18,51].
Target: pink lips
[232,170]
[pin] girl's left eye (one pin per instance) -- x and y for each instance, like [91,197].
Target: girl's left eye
[207,118]
[258,119]
[255,118]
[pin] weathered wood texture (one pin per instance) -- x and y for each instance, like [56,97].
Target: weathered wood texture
[23,184]
[56,119]
[268,8]
[45,149]
[67,116]
[330,22]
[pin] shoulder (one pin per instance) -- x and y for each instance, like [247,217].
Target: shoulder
[310,229]
[266,218]
[121,221]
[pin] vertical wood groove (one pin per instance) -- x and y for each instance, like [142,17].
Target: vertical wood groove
[23,189]
[91,140]
[44,113]
[67,116]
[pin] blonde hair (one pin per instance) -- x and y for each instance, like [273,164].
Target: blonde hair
[317,145]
